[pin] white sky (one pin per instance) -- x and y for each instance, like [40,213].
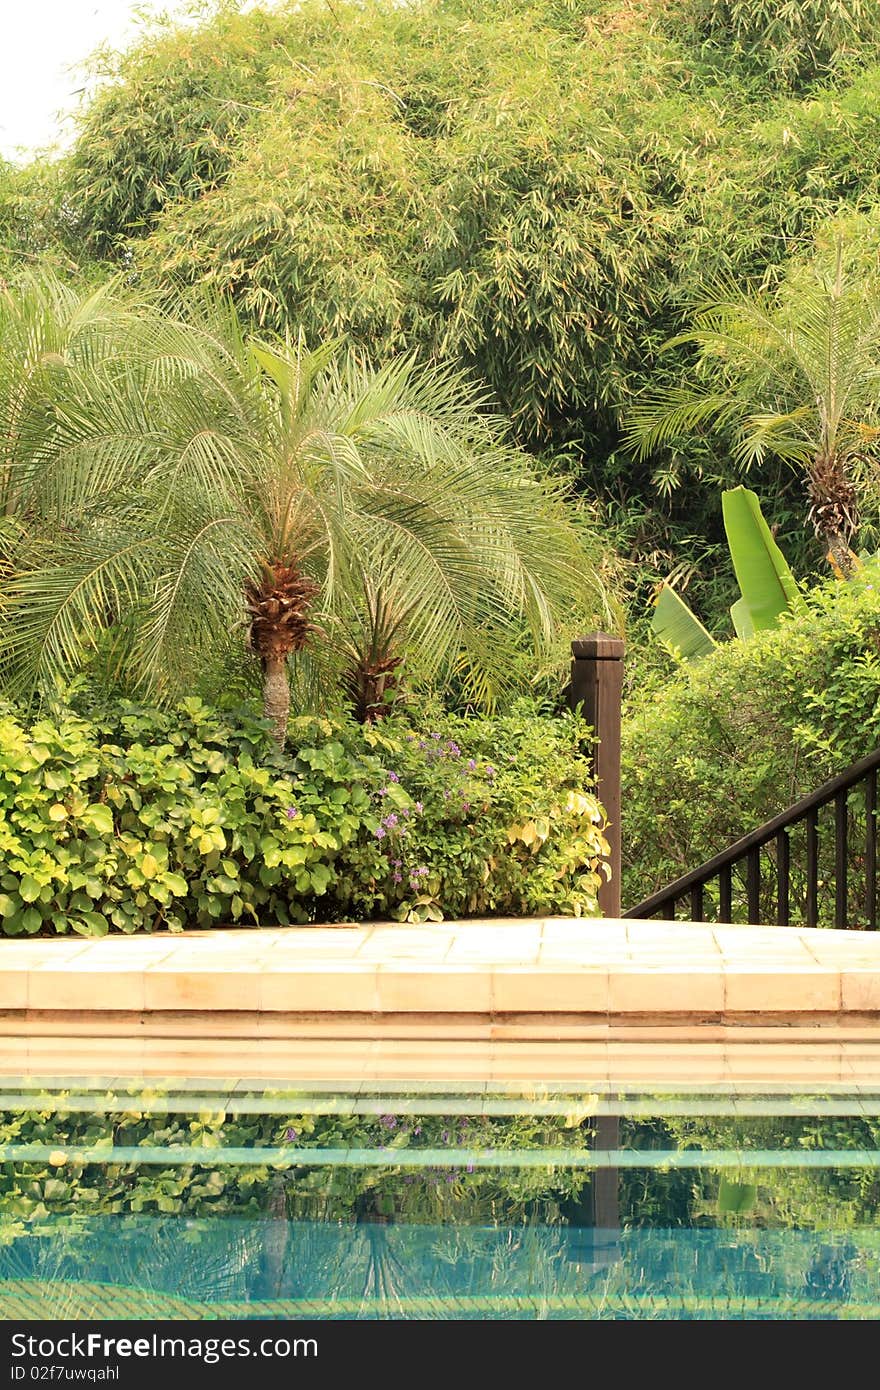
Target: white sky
[41,41]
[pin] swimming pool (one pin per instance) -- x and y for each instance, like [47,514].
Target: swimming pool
[124,1198]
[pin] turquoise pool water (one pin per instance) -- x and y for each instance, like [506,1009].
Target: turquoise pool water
[150,1201]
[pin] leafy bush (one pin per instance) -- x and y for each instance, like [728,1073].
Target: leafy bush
[138,820]
[733,739]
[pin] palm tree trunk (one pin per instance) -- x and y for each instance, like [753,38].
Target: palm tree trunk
[276,697]
[840,553]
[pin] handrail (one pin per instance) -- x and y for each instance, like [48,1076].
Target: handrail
[749,845]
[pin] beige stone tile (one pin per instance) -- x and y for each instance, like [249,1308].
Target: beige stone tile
[645,991]
[860,990]
[794,990]
[341,943]
[87,986]
[550,989]
[167,987]
[13,989]
[30,955]
[443,988]
[427,949]
[341,986]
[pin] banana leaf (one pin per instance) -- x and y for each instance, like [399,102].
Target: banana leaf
[742,619]
[766,583]
[678,628]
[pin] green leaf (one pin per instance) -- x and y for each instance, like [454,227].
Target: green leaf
[678,628]
[29,889]
[766,583]
[742,619]
[98,817]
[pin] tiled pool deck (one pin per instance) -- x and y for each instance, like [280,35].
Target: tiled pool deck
[616,1006]
[486,970]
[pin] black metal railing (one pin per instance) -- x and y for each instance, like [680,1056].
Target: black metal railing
[795,867]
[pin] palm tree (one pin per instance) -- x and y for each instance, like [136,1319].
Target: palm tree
[797,377]
[294,495]
[61,356]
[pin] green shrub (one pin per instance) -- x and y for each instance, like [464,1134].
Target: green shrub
[732,740]
[139,820]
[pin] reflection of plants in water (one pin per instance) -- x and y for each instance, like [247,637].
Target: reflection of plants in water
[63,1182]
[651,1196]
[802,1197]
[374,1236]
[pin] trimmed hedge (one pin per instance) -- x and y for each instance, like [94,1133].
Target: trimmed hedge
[737,737]
[138,819]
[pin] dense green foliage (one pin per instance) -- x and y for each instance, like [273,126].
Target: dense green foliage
[537,191]
[136,820]
[729,741]
[168,478]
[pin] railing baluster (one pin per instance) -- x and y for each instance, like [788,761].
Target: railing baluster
[753,885]
[812,904]
[783,866]
[689,890]
[871,848]
[840,859]
[725,885]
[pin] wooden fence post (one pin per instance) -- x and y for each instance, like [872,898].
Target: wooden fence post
[597,686]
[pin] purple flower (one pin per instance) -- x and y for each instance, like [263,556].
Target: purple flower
[490,771]
[446,793]
[291,1134]
[444,1136]
[472,763]
[450,1177]
[396,877]
[417,1130]
[382,791]
[390,821]
[418,808]
[471,1167]
[388,1121]
[393,777]
[465,806]
[410,738]
[396,863]
[404,811]
[453,749]
[292,812]
[379,832]
[435,735]
[421,871]
[422,743]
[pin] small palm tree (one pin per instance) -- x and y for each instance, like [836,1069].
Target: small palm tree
[305,498]
[61,355]
[798,378]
